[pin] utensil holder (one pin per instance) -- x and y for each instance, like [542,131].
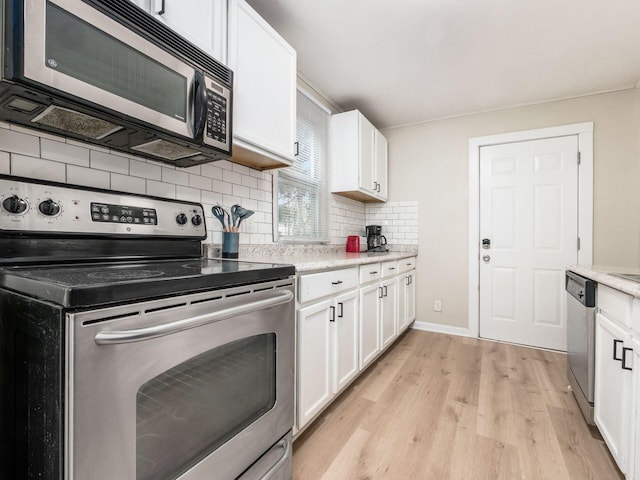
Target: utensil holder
[230,244]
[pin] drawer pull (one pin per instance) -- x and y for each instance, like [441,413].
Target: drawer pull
[624,358]
[392,268]
[373,273]
[338,282]
[615,350]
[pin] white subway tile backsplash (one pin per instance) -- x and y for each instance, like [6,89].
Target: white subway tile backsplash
[211,171]
[5,163]
[200,182]
[54,158]
[32,167]
[87,177]
[20,143]
[161,189]
[138,168]
[32,132]
[232,177]
[63,152]
[109,162]
[187,193]
[125,183]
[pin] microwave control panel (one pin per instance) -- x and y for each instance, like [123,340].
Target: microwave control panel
[218,115]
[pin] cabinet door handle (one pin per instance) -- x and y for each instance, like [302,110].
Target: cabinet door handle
[341,314]
[378,188]
[615,350]
[408,282]
[624,358]
[411,276]
[338,282]
[333,314]
[380,292]
[159,7]
[385,290]
[375,186]
[296,147]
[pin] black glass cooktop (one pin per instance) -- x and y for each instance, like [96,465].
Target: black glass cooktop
[87,284]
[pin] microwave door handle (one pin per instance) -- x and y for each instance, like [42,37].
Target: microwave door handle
[107,337]
[199,104]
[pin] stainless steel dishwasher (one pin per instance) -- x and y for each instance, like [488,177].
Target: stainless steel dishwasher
[581,312]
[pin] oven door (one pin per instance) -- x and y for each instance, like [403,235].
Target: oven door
[192,387]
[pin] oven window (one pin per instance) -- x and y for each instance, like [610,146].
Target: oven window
[86,53]
[189,411]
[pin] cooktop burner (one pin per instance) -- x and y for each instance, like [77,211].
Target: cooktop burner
[98,283]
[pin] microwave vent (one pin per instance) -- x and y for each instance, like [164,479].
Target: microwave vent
[76,122]
[167,150]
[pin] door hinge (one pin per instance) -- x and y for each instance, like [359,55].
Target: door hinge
[579,158]
[578,243]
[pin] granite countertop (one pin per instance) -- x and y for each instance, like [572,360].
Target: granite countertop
[602,274]
[309,258]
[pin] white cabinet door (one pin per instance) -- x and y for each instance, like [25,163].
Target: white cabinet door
[345,340]
[411,298]
[314,360]
[264,102]
[369,323]
[613,399]
[388,311]
[202,22]
[403,290]
[358,155]
[366,165]
[380,159]
[634,467]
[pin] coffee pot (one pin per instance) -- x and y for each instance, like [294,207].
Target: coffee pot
[375,240]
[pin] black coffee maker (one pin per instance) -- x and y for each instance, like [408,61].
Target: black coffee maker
[375,240]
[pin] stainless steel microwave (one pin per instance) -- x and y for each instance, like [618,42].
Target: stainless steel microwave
[106,72]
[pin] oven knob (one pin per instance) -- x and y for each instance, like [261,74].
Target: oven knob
[14,204]
[49,208]
[196,220]
[181,219]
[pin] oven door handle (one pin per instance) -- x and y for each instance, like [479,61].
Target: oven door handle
[285,444]
[111,337]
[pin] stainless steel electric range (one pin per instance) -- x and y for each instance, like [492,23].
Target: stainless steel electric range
[124,355]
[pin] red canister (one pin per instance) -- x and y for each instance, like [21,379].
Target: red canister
[353,243]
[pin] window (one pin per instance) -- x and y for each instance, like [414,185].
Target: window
[303,188]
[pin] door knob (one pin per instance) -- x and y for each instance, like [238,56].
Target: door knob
[486,258]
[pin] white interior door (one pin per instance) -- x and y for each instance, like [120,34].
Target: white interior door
[528,235]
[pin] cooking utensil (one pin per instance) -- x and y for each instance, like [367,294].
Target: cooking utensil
[245,214]
[235,214]
[218,212]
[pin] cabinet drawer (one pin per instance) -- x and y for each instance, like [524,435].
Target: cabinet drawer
[370,272]
[615,304]
[390,268]
[406,264]
[318,285]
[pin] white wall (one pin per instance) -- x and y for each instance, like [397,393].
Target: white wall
[428,163]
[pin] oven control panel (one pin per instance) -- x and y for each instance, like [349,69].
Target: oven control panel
[34,206]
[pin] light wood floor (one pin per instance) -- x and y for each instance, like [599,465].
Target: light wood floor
[442,407]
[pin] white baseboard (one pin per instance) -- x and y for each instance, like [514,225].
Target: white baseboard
[440,328]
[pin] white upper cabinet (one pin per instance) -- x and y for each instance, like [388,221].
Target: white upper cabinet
[202,22]
[264,103]
[358,158]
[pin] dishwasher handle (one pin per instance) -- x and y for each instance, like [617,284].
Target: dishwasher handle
[111,337]
[581,288]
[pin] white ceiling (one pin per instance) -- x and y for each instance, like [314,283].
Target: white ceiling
[407,61]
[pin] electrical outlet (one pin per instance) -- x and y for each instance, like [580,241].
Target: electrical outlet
[437,306]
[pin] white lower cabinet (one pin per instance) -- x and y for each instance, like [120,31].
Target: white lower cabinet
[345,319]
[614,404]
[389,311]
[314,360]
[369,324]
[345,340]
